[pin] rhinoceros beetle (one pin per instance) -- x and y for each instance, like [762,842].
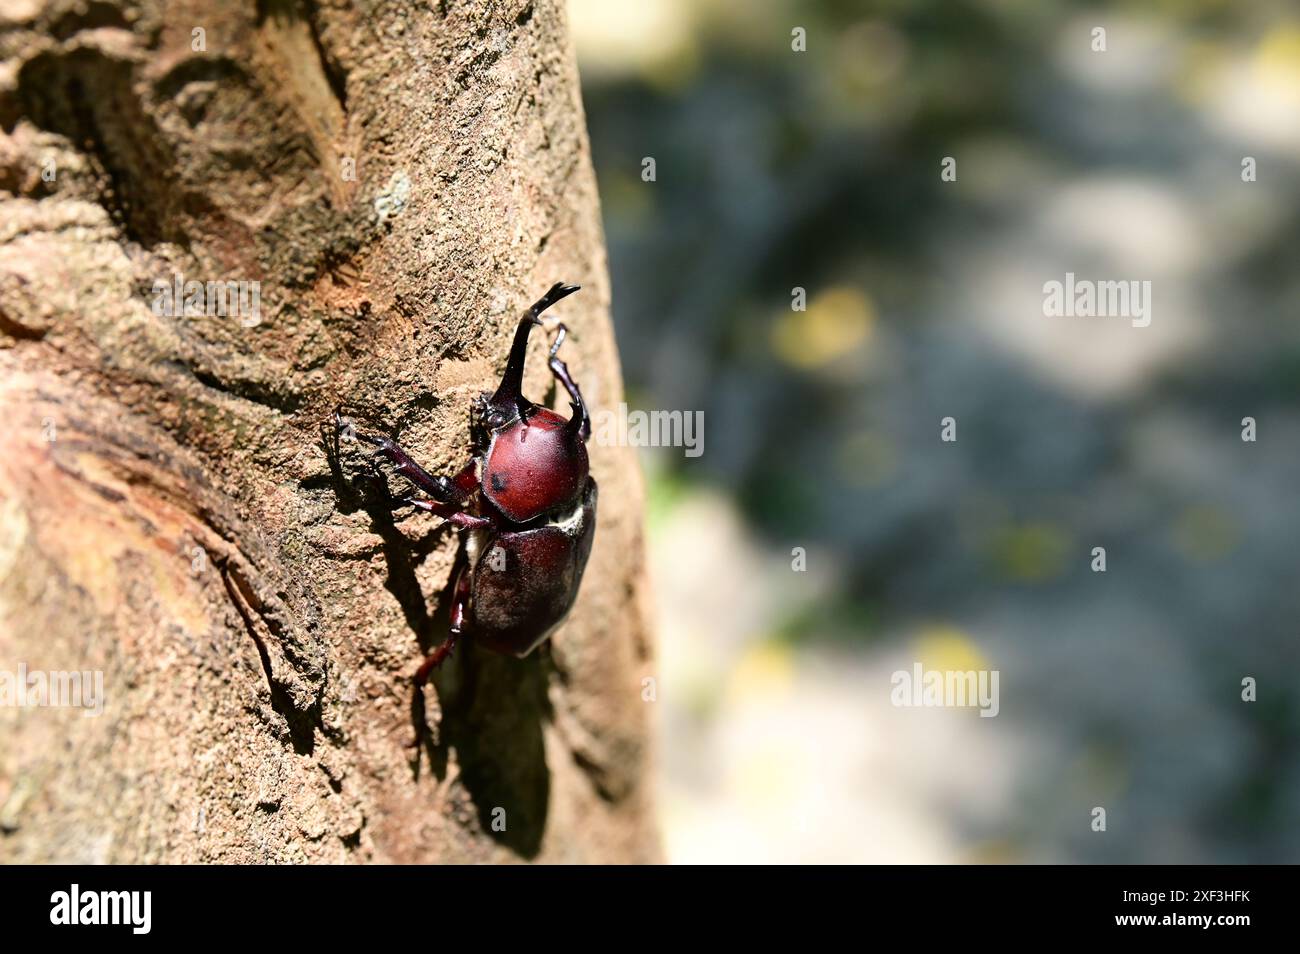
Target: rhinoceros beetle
[526,497]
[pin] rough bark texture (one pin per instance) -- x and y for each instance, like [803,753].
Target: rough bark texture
[170,510]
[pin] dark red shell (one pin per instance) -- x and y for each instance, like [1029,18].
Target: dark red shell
[520,595]
[536,469]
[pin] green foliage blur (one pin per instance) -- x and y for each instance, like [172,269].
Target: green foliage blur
[821,170]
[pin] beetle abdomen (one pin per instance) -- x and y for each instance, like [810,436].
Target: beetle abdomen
[526,581]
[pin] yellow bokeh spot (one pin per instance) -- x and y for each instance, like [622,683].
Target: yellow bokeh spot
[1200,70]
[1206,533]
[1031,553]
[946,647]
[868,56]
[1278,55]
[836,321]
[766,669]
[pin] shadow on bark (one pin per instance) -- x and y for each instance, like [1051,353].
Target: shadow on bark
[492,707]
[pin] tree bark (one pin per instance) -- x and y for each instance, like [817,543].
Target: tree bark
[173,513]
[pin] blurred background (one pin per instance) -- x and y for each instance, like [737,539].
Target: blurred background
[821,169]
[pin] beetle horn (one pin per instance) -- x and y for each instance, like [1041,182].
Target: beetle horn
[510,392]
[553,294]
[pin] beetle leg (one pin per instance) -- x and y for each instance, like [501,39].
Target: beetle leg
[561,372]
[448,512]
[459,604]
[442,488]
[435,659]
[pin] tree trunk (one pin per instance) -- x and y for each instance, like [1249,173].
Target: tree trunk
[402,182]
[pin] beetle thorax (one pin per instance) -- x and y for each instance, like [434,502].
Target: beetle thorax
[535,468]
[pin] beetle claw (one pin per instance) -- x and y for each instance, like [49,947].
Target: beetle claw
[343,426]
